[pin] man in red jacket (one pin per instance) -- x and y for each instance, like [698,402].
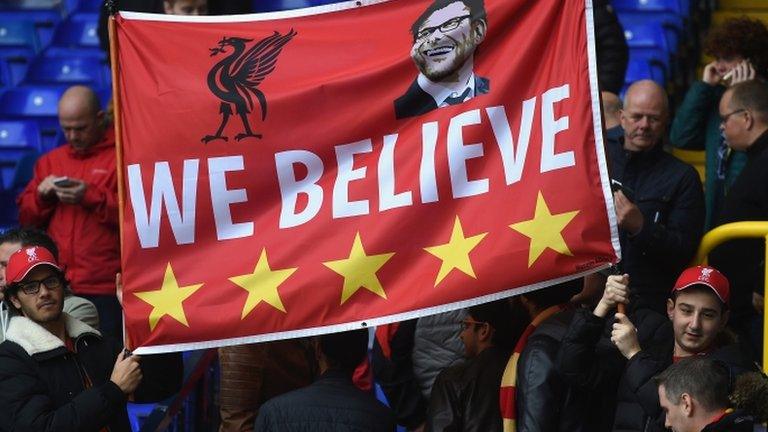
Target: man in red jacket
[73,195]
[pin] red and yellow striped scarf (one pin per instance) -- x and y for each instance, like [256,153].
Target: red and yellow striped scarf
[509,380]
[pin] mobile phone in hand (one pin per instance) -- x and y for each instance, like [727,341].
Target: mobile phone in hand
[64,182]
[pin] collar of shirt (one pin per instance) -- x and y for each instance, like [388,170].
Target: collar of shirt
[440,92]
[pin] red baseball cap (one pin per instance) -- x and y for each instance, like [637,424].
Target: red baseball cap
[25,259]
[707,276]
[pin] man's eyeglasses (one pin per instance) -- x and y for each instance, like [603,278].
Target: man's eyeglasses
[724,118]
[468,322]
[33,287]
[444,27]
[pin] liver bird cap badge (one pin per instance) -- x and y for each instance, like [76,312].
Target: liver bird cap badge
[235,79]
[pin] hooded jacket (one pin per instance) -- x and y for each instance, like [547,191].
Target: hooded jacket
[86,233]
[42,383]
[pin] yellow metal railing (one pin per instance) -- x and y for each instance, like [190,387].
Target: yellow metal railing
[733,231]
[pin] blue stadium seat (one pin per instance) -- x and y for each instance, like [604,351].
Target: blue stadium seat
[39,103]
[31,101]
[14,64]
[647,39]
[23,171]
[80,30]
[18,34]
[104,94]
[19,134]
[671,25]
[45,21]
[70,71]
[30,4]
[639,69]
[90,6]
[66,52]
[672,6]
[20,141]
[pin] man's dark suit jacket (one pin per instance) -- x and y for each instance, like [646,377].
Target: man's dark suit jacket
[417,102]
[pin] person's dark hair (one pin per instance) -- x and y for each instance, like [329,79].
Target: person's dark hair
[345,350]
[498,315]
[750,393]
[476,9]
[751,95]
[30,237]
[556,294]
[699,288]
[706,380]
[742,36]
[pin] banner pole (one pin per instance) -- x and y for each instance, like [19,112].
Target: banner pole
[113,60]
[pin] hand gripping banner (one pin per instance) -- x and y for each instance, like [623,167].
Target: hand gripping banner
[331,168]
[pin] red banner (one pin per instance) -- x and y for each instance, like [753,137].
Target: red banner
[324,169]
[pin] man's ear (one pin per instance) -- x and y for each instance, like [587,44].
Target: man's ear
[686,405]
[478,31]
[750,120]
[486,332]
[15,301]
[670,308]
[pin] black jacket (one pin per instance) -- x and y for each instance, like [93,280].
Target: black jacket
[637,382]
[330,404]
[588,359]
[743,261]
[544,399]
[670,196]
[466,397]
[41,384]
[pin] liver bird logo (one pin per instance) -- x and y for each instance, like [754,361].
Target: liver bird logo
[236,78]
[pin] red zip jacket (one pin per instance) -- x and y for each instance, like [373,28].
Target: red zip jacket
[86,233]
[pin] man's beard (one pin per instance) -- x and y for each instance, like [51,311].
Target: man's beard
[437,72]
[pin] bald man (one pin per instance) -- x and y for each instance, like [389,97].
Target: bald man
[659,199]
[73,195]
[611,109]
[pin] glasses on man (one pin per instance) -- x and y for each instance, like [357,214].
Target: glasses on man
[724,118]
[33,287]
[444,27]
[468,323]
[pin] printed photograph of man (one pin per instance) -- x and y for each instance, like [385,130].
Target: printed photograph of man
[445,37]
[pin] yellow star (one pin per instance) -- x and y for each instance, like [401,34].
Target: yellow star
[262,285]
[168,299]
[545,230]
[455,253]
[359,270]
